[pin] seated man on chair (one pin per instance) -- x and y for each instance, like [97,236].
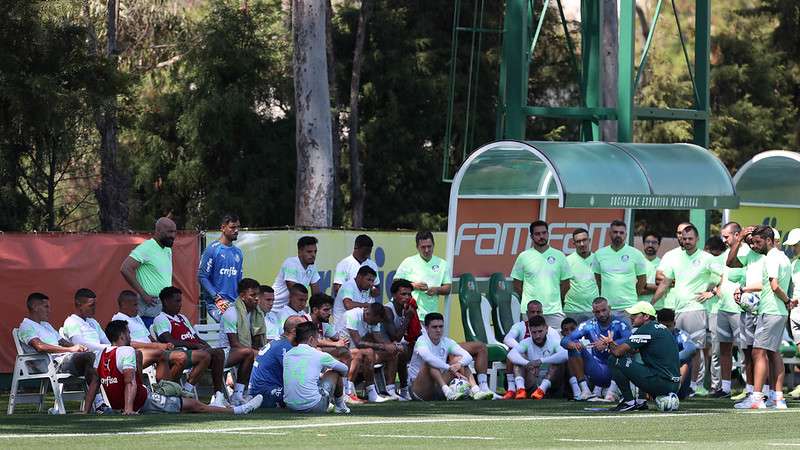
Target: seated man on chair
[37,335]
[591,362]
[437,360]
[402,326]
[538,360]
[658,373]
[122,384]
[241,335]
[364,327]
[169,364]
[81,328]
[515,335]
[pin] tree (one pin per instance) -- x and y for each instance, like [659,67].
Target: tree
[314,188]
[357,189]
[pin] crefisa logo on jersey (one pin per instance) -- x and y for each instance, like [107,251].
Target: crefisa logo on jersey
[109,380]
[228,271]
[186,336]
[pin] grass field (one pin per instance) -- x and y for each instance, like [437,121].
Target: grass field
[488,424]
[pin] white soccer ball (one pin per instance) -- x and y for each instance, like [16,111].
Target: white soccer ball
[667,402]
[750,302]
[459,385]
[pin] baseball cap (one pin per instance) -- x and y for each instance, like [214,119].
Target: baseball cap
[793,237]
[642,308]
[776,234]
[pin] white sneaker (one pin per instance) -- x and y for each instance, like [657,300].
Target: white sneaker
[218,399]
[341,409]
[393,397]
[585,395]
[374,397]
[453,395]
[781,404]
[483,395]
[403,395]
[237,399]
[747,403]
[251,405]
[611,397]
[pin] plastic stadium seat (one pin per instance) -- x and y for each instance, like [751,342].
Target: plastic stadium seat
[505,305]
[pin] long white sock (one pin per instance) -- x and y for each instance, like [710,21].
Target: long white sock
[520,382]
[545,385]
[693,385]
[390,388]
[238,388]
[483,381]
[726,386]
[188,386]
[598,391]
[765,390]
[573,382]
[512,386]
[584,385]
[350,387]
[613,388]
[749,388]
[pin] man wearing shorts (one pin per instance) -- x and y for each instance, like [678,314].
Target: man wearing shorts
[658,373]
[518,332]
[402,326]
[538,361]
[311,378]
[542,273]
[37,336]
[686,349]
[728,312]
[667,301]
[122,384]
[266,379]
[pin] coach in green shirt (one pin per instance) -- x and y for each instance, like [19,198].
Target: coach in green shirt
[650,245]
[582,286]
[542,273]
[620,270]
[429,275]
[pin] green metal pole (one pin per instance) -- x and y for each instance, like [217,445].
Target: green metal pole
[625,80]
[590,55]
[702,52]
[514,65]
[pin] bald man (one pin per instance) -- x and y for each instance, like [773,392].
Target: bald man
[267,375]
[148,269]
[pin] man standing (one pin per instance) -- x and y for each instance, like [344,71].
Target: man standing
[620,270]
[696,274]
[771,316]
[355,293]
[347,269]
[37,336]
[221,268]
[668,300]
[793,240]
[658,373]
[428,274]
[651,243]
[542,273]
[298,269]
[582,286]
[266,379]
[728,311]
[148,269]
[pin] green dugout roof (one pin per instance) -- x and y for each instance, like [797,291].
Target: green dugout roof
[770,179]
[599,175]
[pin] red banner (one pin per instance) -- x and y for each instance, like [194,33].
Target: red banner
[490,233]
[59,264]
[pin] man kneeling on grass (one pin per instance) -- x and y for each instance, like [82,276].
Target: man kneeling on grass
[438,360]
[120,380]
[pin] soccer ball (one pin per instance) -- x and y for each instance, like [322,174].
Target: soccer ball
[460,386]
[667,402]
[749,302]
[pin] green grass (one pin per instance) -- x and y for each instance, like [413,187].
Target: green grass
[510,424]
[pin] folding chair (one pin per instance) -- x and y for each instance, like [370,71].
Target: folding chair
[44,368]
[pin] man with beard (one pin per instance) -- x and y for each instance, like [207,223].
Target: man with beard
[651,243]
[668,300]
[148,269]
[582,286]
[727,325]
[221,269]
[620,271]
[299,270]
[538,360]
[542,273]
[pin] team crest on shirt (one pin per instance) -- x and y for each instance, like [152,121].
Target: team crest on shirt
[471,285]
[236,257]
[435,267]
[696,262]
[625,258]
[551,260]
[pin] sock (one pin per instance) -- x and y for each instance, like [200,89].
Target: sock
[391,389]
[749,388]
[573,382]
[474,390]
[757,396]
[693,385]
[238,388]
[726,386]
[512,386]
[765,390]
[520,382]
[350,387]
[777,395]
[584,385]
[238,409]
[545,385]
[445,390]
[371,388]
[188,386]
[483,381]
[340,401]
[598,391]
[372,393]
[613,387]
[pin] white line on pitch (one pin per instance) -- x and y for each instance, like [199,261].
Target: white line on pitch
[784,444]
[622,441]
[414,436]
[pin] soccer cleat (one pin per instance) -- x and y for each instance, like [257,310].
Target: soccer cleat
[352,399]
[701,391]
[251,405]
[454,395]
[341,409]
[538,394]
[740,396]
[509,395]
[795,394]
[379,399]
[769,403]
[521,394]
[624,406]
[719,393]
[218,399]
[584,396]
[483,395]
[781,404]
[237,399]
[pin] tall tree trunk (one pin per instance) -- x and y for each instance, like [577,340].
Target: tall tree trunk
[335,128]
[112,194]
[610,63]
[357,191]
[314,185]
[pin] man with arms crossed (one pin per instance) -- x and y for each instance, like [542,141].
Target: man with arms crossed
[81,328]
[519,332]
[429,274]
[537,358]
[620,271]
[347,268]
[650,245]
[37,336]
[542,273]
[582,286]
[298,269]
[123,386]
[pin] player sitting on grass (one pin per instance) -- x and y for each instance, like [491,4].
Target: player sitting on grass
[658,372]
[153,352]
[686,349]
[241,335]
[591,362]
[519,331]
[363,325]
[304,390]
[538,360]
[402,326]
[436,361]
[266,379]
[37,335]
[123,386]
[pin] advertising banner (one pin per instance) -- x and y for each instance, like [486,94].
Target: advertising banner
[784,219]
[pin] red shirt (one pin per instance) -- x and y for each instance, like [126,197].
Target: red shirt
[113,381]
[180,331]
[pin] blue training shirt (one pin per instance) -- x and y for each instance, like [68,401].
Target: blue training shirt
[686,347]
[220,271]
[592,330]
[267,371]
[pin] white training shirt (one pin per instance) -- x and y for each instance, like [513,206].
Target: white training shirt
[86,332]
[274,327]
[348,290]
[347,269]
[435,355]
[292,270]
[355,321]
[302,366]
[286,312]
[228,323]
[28,330]
[517,334]
[550,353]
[139,332]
